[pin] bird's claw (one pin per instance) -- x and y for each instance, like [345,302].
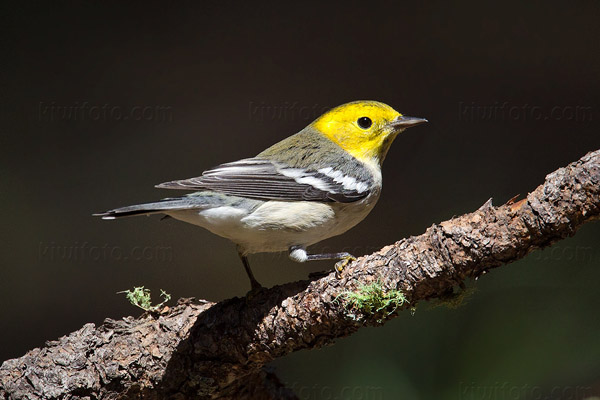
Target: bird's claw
[343,263]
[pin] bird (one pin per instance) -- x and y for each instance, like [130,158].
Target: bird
[313,185]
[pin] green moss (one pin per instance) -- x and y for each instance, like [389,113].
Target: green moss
[140,297]
[372,299]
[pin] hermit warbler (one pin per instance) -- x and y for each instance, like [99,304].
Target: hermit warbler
[311,186]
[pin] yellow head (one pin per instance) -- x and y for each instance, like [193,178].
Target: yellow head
[365,129]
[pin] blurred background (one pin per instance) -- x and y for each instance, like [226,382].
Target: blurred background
[99,102]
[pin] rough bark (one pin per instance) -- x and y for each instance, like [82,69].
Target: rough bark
[199,349]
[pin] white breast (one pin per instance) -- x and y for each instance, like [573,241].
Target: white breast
[277,225]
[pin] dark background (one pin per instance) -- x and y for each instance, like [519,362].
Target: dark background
[165,91]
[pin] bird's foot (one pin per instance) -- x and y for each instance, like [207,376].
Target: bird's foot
[343,263]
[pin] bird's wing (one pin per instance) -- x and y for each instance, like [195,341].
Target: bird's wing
[266,180]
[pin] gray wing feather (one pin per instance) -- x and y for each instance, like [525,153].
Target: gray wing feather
[267,180]
[162,206]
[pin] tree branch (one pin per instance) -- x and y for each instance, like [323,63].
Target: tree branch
[199,349]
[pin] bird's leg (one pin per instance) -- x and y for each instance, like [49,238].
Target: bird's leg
[253,282]
[299,254]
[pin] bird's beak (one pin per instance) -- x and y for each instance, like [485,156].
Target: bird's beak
[403,122]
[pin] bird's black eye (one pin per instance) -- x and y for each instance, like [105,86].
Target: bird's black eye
[364,122]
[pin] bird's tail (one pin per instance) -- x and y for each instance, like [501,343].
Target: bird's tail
[158,207]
